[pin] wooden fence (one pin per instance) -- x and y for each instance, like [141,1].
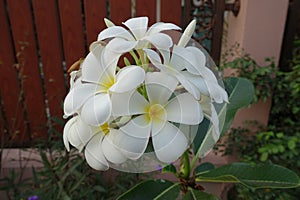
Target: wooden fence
[41,38]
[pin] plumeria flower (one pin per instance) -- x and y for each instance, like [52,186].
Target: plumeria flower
[96,142]
[91,96]
[138,35]
[187,65]
[155,118]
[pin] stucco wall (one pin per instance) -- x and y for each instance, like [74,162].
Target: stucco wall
[259,30]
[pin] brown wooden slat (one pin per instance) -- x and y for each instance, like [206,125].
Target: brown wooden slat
[95,12]
[72,30]
[171,11]
[3,129]
[120,10]
[9,86]
[48,33]
[23,36]
[217,31]
[146,8]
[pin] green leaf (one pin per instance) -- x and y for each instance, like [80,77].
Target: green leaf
[292,144]
[196,195]
[264,156]
[152,190]
[169,169]
[241,93]
[203,167]
[256,176]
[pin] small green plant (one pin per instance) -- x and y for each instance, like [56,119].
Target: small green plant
[245,66]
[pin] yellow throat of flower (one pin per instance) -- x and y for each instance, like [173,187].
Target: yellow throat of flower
[105,128]
[156,112]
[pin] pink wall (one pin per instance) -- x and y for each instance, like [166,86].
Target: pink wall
[258,29]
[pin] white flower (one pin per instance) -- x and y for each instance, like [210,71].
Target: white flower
[138,35]
[91,98]
[96,140]
[155,118]
[187,65]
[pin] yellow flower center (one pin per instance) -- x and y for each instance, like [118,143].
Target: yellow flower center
[107,83]
[156,112]
[105,128]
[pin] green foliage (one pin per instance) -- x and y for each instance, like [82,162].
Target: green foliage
[285,112]
[152,190]
[267,146]
[252,175]
[245,66]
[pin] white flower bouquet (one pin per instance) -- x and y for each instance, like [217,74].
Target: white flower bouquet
[118,113]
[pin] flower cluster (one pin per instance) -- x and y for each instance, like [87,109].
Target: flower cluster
[118,114]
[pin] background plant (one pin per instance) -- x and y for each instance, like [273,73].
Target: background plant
[243,65]
[279,142]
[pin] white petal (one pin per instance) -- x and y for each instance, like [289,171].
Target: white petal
[85,132]
[131,147]
[188,85]
[215,90]
[217,93]
[74,137]
[184,109]
[160,26]
[111,152]
[115,31]
[198,81]
[77,96]
[80,133]
[166,54]
[128,78]
[119,45]
[138,127]
[187,34]
[157,125]
[128,103]
[138,26]
[160,87]
[92,66]
[73,78]
[66,131]
[211,114]
[160,40]
[199,61]
[215,121]
[153,56]
[169,144]
[97,110]
[181,58]
[94,155]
